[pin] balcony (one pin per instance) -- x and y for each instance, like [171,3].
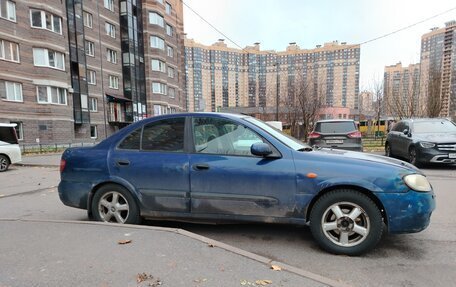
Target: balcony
[120,111]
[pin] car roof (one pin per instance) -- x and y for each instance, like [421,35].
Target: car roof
[425,120]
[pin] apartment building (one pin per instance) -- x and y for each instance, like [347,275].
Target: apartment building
[438,70]
[220,77]
[401,91]
[77,71]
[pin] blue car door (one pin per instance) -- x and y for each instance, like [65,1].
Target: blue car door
[226,179]
[153,161]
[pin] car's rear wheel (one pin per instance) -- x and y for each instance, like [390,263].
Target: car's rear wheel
[4,163]
[113,203]
[346,222]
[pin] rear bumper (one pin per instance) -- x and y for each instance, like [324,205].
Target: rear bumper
[408,212]
[74,194]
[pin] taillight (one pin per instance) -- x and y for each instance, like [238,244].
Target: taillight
[314,135]
[356,134]
[62,165]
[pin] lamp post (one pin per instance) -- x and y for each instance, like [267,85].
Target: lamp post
[277,90]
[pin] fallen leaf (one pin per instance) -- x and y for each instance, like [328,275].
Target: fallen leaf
[141,277]
[263,282]
[200,280]
[276,268]
[125,241]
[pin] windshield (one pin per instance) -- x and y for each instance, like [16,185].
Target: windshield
[284,138]
[434,127]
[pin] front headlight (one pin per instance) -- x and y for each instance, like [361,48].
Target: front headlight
[427,145]
[417,182]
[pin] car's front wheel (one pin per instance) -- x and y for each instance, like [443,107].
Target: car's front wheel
[113,203]
[413,157]
[388,150]
[346,222]
[4,163]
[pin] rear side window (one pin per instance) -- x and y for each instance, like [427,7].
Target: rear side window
[8,135]
[335,127]
[164,135]
[132,141]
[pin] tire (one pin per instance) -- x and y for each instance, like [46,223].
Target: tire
[4,163]
[113,203]
[412,157]
[388,150]
[337,230]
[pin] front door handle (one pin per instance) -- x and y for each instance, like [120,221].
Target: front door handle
[200,166]
[123,162]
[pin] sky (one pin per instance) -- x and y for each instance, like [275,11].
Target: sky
[275,23]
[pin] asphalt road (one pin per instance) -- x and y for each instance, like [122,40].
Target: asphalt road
[423,259]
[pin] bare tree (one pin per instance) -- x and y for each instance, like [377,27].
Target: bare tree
[433,91]
[377,92]
[401,97]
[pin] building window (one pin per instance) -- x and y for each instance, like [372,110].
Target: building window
[19,130]
[172,93]
[90,48]
[168,8]
[110,30]
[48,58]
[93,104]
[170,72]
[8,10]
[11,91]
[111,56]
[93,132]
[88,19]
[170,51]
[169,30]
[109,4]
[156,19]
[91,77]
[113,82]
[51,95]
[158,88]
[9,51]
[158,65]
[157,42]
[45,20]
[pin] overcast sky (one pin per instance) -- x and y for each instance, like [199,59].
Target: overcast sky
[275,23]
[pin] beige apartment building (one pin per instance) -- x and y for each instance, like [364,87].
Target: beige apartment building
[77,71]
[220,77]
[401,91]
[438,70]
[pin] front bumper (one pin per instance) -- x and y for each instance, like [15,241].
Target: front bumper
[433,155]
[408,212]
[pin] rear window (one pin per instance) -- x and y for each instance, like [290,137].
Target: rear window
[335,127]
[8,134]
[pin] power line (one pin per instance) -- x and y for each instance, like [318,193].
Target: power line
[407,27]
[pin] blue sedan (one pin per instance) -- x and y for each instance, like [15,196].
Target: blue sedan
[224,167]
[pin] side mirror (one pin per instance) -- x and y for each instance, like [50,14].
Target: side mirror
[406,131]
[260,149]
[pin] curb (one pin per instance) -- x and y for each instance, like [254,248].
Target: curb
[261,259]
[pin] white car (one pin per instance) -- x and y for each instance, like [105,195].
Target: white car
[10,151]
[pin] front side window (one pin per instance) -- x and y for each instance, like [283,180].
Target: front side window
[110,30]
[132,141]
[164,135]
[48,58]
[45,20]
[111,56]
[9,51]
[158,65]
[11,91]
[223,137]
[8,10]
[51,95]
[156,19]
[157,42]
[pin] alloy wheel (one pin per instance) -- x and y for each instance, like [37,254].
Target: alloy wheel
[113,207]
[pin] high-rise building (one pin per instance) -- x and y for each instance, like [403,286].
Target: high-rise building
[79,70]
[366,103]
[401,88]
[220,77]
[438,71]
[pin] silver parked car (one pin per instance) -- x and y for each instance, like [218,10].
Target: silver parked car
[337,134]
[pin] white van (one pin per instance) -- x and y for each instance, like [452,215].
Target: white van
[10,152]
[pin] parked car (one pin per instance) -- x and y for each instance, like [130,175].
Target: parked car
[338,134]
[194,166]
[423,141]
[10,151]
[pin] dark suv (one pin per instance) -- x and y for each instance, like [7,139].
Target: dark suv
[423,141]
[338,134]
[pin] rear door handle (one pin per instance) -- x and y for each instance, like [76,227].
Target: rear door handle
[123,162]
[200,166]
